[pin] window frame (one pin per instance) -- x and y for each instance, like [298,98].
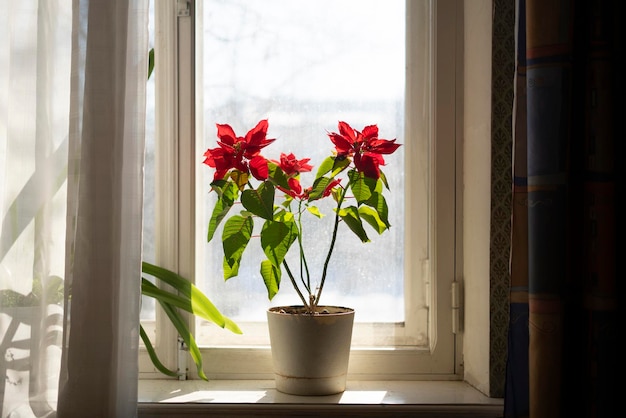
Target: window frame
[434,224]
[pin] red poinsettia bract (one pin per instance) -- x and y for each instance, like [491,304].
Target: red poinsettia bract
[292,167]
[239,153]
[365,147]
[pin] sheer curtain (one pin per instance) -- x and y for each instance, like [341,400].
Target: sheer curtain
[72,110]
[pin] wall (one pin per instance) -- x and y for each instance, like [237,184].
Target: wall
[476,190]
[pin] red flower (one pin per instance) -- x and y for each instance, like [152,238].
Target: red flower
[292,166]
[329,189]
[295,189]
[240,153]
[365,147]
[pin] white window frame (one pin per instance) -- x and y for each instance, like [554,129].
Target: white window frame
[434,28]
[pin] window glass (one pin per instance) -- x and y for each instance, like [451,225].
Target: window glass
[304,66]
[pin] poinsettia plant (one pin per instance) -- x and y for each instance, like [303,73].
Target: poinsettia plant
[270,191]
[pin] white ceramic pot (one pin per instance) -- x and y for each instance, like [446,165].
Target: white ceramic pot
[310,352]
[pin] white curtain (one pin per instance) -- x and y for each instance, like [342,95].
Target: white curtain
[72,117]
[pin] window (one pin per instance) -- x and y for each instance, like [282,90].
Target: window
[300,66]
[417,339]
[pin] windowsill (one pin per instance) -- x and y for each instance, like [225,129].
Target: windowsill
[170,398]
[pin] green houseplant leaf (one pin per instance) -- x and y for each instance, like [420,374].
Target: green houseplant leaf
[332,164]
[189,298]
[227,192]
[362,187]
[276,239]
[319,186]
[371,217]
[350,216]
[235,238]
[153,355]
[260,201]
[183,330]
[378,203]
[271,277]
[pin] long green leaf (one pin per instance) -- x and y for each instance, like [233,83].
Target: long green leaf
[181,326]
[190,298]
[153,355]
[187,297]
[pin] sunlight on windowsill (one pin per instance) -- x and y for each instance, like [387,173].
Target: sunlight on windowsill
[154,395]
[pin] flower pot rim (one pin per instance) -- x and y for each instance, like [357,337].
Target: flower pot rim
[300,310]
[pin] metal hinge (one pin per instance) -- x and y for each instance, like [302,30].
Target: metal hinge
[456,306]
[183,8]
[182,359]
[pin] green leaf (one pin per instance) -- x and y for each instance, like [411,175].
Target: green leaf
[227,192]
[325,166]
[286,202]
[260,201]
[319,186]
[232,326]
[283,216]
[315,211]
[188,296]
[350,216]
[190,303]
[383,178]
[378,203]
[276,238]
[362,187]
[150,62]
[179,323]
[372,218]
[271,276]
[181,327]
[277,175]
[240,178]
[235,238]
[332,164]
[153,355]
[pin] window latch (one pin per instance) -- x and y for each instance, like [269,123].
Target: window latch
[183,8]
[182,359]
[455,292]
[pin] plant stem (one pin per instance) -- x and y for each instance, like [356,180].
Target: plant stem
[295,285]
[332,245]
[303,262]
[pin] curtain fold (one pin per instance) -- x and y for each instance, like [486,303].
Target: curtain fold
[72,120]
[564,293]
